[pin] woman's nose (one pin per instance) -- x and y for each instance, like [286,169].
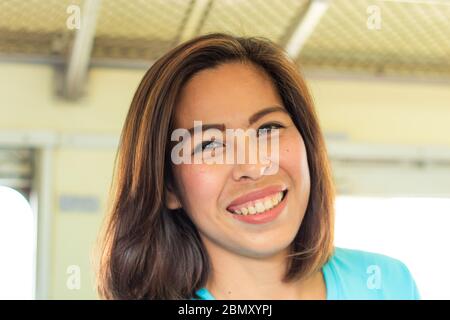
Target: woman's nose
[252,171]
[253,165]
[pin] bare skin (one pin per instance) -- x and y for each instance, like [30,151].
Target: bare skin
[243,278]
[248,261]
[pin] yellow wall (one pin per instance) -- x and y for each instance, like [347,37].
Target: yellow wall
[367,111]
[385,112]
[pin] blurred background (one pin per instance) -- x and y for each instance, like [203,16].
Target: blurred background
[379,72]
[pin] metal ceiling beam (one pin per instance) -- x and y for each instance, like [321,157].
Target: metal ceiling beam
[308,72]
[308,22]
[427,2]
[59,62]
[79,59]
[194,19]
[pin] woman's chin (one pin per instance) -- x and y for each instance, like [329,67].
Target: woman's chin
[262,250]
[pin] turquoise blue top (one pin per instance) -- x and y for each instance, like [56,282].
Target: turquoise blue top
[360,275]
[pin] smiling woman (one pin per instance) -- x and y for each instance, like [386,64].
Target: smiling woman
[233,230]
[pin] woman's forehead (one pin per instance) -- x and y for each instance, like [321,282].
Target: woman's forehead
[229,93]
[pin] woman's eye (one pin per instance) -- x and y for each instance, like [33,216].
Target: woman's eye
[269,127]
[208,145]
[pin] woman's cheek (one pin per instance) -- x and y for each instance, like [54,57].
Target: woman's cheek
[293,158]
[201,186]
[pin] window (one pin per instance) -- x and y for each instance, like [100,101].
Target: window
[17,246]
[413,230]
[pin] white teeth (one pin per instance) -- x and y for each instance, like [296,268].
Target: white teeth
[274,200]
[261,205]
[279,196]
[268,204]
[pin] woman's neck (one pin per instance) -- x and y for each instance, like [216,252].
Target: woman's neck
[239,277]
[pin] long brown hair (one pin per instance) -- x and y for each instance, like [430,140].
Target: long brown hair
[148,253]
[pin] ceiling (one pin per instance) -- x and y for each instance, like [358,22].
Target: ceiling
[413,39]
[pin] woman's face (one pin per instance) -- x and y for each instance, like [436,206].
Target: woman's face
[230,94]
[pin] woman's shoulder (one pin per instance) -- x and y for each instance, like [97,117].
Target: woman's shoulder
[357,274]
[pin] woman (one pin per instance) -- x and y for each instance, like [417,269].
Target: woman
[230,229]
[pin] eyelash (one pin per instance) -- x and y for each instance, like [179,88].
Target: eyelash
[271,124]
[204,144]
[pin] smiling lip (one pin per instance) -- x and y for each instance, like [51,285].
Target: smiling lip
[255,195]
[265,216]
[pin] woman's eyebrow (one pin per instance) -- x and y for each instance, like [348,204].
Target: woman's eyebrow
[204,127]
[261,113]
[255,117]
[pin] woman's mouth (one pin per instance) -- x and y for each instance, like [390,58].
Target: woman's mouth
[261,210]
[258,206]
